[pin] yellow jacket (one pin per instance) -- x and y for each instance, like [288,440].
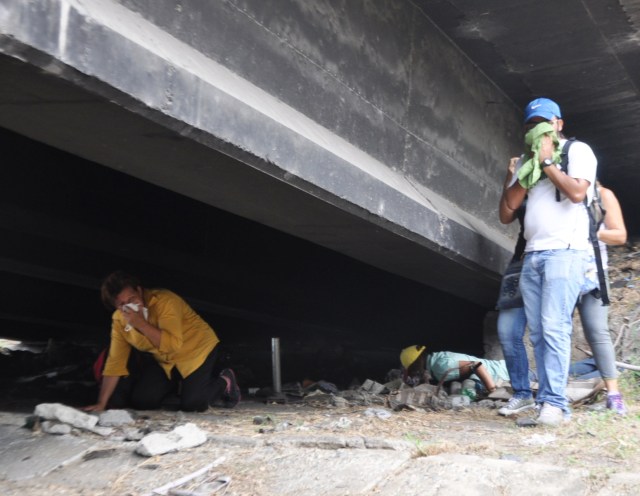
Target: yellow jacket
[185,343]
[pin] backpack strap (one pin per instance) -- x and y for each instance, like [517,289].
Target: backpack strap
[564,161]
[593,224]
[603,292]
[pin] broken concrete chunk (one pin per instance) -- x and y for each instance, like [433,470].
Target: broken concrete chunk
[426,388]
[66,414]
[133,434]
[115,418]
[261,419]
[394,384]
[381,413]
[420,397]
[486,403]
[459,401]
[57,428]
[339,401]
[373,387]
[102,431]
[159,443]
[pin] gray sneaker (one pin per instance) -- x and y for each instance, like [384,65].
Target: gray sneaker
[516,405]
[551,415]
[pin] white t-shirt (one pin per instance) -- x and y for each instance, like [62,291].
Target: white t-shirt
[553,225]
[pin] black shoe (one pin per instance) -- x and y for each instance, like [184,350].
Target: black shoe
[231,396]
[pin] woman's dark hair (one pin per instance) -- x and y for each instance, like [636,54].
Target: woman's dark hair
[113,285]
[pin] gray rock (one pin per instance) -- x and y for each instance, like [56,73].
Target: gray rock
[459,401]
[381,413]
[51,427]
[159,443]
[373,387]
[262,419]
[338,401]
[66,414]
[133,434]
[115,418]
[102,431]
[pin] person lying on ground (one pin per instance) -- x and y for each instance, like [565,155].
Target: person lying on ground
[419,367]
[159,345]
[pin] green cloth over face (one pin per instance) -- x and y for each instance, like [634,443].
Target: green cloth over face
[531,171]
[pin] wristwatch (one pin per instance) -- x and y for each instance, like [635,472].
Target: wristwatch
[546,162]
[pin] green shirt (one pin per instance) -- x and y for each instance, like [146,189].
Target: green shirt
[438,363]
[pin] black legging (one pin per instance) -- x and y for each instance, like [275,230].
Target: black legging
[147,385]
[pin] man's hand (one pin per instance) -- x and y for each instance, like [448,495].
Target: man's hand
[512,196]
[547,148]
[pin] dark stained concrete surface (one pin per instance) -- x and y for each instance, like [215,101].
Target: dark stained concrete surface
[317,169]
[66,222]
[391,162]
[582,53]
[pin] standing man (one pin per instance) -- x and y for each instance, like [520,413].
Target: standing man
[556,253]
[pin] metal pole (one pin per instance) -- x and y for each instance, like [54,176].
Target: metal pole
[275,363]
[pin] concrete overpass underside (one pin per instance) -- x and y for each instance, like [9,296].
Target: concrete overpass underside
[324,171]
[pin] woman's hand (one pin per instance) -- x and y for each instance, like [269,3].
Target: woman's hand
[98,407]
[135,318]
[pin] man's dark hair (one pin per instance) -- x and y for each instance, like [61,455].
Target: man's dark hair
[419,365]
[113,284]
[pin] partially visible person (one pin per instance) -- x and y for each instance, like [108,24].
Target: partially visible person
[512,321]
[554,272]
[593,314]
[418,367]
[159,345]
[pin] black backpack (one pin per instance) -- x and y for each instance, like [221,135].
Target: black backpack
[596,213]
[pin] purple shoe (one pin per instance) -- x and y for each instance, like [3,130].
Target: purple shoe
[616,403]
[231,395]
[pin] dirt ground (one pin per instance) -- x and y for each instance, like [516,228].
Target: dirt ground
[595,440]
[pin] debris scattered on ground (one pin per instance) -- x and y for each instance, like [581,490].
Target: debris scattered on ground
[66,414]
[55,428]
[381,413]
[539,439]
[179,487]
[182,437]
[115,418]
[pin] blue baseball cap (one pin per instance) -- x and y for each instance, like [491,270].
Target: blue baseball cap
[542,107]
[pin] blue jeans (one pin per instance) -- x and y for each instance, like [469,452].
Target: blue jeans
[595,322]
[512,323]
[551,282]
[584,369]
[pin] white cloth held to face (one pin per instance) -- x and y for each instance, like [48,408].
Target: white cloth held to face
[135,307]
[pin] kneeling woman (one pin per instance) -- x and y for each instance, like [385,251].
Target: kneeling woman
[159,345]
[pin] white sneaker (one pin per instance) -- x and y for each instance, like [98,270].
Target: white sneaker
[516,405]
[551,415]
